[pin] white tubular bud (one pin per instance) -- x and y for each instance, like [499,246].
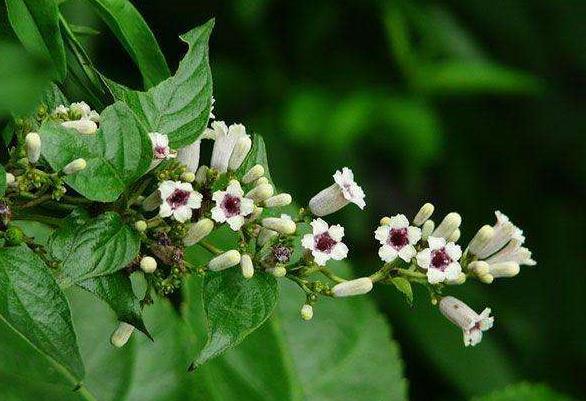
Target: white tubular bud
[188,176]
[424,214]
[277,271]
[189,156]
[148,264]
[10,179]
[121,335]
[280,225]
[246,266]
[201,175]
[427,229]
[350,288]
[253,174]
[152,202]
[461,279]
[486,278]
[241,149]
[455,236]
[261,181]
[278,200]
[75,167]
[84,126]
[448,225]
[140,226]
[385,221]
[265,235]
[480,268]
[224,261]
[481,239]
[506,269]
[33,147]
[306,312]
[198,231]
[260,193]
[458,312]
[255,213]
[328,201]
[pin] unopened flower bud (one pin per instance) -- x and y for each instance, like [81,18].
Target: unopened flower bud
[461,279]
[481,239]
[277,271]
[261,181]
[385,221]
[448,225]
[148,264]
[241,149]
[83,126]
[350,288]
[260,193]
[427,229]
[198,231]
[479,267]
[278,200]
[455,236]
[253,174]
[75,167]
[33,147]
[265,235]
[486,278]
[506,269]
[152,202]
[257,211]
[306,312]
[246,266]
[283,225]
[140,226]
[121,335]
[188,176]
[224,261]
[201,175]
[424,214]
[10,179]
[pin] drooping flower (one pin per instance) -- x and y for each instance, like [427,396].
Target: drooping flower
[225,139]
[397,239]
[178,200]
[471,323]
[440,260]
[335,197]
[161,149]
[231,206]
[325,242]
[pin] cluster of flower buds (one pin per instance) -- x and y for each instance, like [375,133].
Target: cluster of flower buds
[78,116]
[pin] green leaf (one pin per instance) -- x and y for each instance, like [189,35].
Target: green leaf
[136,37]
[82,30]
[53,97]
[34,307]
[524,392]
[257,155]
[94,248]
[116,156]
[36,23]
[404,286]
[179,106]
[116,290]
[2,181]
[234,308]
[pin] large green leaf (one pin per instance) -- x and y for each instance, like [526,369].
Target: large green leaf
[234,308]
[136,37]
[524,392]
[179,106]
[36,23]
[89,249]
[33,306]
[117,155]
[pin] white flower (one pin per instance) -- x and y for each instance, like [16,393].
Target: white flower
[83,126]
[351,288]
[225,140]
[512,252]
[231,206]
[397,239]
[161,149]
[503,232]
[449,224]
[61,109]
[189,156]
[338,195]
[33,147]
[212,116]
[283,225]
[424,214]
[471,323]
[148,264]
[178,199]
[440,260]
[81,108]
[326,242]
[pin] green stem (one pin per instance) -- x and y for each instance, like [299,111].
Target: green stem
[209,247]
[36,201]
[50,221]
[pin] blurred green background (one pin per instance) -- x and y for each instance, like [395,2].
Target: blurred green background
[472,105]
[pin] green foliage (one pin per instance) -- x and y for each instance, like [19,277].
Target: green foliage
[404,286]
[257,155]
[524,392]
[234,308]
[136,37]
[93,248]
[36,23]
[2,181]
[114,160]
[33,306]
[178,107]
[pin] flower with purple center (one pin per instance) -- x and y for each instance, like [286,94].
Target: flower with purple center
[178,200]
[325,242]
[231,206]
[440,260]
[161,149]
[397,239]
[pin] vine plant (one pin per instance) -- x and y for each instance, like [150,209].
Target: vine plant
[126,192]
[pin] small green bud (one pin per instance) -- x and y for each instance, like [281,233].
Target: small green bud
[14,236]
[140,226]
